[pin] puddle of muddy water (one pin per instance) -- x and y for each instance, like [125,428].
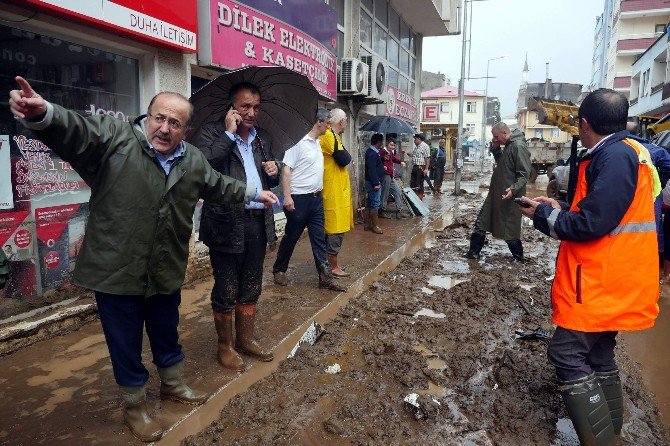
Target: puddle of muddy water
[456,266]
[444,282]
[429,313]
[565,433]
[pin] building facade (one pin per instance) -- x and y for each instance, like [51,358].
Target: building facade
[625,30]
[112,56]
[440,115]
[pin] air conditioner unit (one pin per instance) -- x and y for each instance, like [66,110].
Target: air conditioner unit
[353,77]
[378,72]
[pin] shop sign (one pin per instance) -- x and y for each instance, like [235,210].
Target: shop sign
[401,105]
[168,22]
[6,196]
[235,36]
[431,113]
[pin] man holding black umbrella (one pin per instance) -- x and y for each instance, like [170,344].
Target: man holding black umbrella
[237,233]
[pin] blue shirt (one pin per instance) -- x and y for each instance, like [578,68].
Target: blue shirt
[167,163]
[251,171]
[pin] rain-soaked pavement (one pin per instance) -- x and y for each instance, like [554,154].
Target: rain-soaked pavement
[62,392]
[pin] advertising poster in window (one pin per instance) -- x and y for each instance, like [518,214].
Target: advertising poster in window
[6,198]
[298,35]
[59,235]
[17,237]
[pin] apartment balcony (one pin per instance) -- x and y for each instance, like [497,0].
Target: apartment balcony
[429,17]
[642,8]
[634,46]
[622,83]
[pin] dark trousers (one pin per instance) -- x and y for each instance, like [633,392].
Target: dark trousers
[238,278]
[439,171]
[416,180]
[123,320]
[577,354]
[308,213]
[478,238]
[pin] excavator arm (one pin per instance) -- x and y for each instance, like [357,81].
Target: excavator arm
[558,113]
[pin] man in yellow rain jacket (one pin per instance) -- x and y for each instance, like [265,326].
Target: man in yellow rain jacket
[336,188]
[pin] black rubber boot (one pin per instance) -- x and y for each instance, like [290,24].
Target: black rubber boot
[586,404]
[477,240]
[516,248]
[610,382]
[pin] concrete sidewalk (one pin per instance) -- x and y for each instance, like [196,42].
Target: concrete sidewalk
[62,392]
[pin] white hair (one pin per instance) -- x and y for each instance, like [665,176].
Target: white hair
[501,127]
[336,115]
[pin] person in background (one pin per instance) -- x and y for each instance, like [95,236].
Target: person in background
[145,182]
[440,163]
[337,205]
[237,234]
[420,164]
[4,269]
[374,175]
[499,214]
[606,276]
[302,181]
[389,185]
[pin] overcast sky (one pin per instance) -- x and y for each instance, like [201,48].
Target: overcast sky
[558,32]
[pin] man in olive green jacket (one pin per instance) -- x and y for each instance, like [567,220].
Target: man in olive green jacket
[145,182]
[500,215]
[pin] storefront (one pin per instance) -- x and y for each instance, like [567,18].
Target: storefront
[74,57]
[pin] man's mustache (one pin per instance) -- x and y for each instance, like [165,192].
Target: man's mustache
[163,135]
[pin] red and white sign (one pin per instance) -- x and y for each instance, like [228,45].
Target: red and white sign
[401,105]
[173,23]
[52,259]
[23,238]
[431,113]
[240,36]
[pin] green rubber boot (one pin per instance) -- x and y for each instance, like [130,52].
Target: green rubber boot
[174,388]
[135,414]
[586,404]
[610,382]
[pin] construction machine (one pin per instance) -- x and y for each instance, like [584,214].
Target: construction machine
[550,158]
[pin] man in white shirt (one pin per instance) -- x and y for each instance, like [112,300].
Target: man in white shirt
[302,182]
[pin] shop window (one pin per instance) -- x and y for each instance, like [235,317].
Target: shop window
[404,61]
[393,77]
[403,84]
[412,88]
[380,38]
[44,207]
[393,49]
[382,11]
[340,44]
[412,43]
[338,6]
[412,63]
[367,4]
[366,29]
[404,35]
[394,23]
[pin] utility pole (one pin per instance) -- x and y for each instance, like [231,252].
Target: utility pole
[461,103]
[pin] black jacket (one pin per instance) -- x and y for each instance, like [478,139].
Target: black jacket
[374,167]
[222,225]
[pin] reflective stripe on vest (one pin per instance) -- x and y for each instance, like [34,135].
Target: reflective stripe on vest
[649,226]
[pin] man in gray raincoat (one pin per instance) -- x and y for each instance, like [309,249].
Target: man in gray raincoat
[500,215]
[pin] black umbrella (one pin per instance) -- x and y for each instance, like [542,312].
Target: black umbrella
[387,124]
[288,103]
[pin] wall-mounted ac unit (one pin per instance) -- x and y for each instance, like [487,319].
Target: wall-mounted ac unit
[353,77]
[378,73]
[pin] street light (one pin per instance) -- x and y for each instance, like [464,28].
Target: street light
[486,101]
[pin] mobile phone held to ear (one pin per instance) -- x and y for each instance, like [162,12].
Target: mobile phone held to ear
[521,202]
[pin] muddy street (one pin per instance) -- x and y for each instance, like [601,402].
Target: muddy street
[428,355]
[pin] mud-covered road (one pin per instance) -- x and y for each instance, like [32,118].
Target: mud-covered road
[443,329]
